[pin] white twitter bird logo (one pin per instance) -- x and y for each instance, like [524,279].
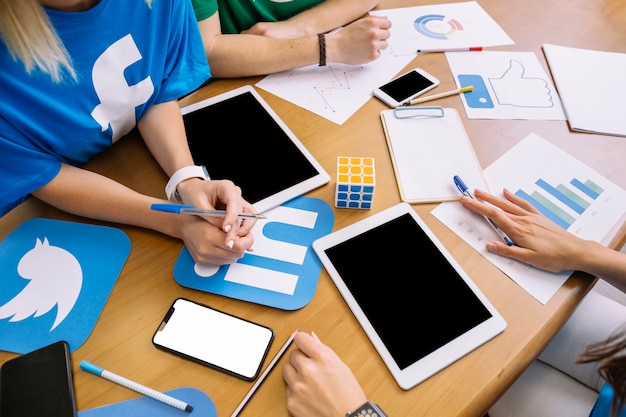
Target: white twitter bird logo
[55,279]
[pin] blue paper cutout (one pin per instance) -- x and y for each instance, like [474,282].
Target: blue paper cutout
[282,271]
[56,278]
[148,407]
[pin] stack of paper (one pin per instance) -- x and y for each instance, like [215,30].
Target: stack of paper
[592,87]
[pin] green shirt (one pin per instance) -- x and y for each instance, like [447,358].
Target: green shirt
[239,15]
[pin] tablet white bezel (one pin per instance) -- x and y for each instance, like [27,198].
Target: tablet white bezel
[278,198]
[439,358]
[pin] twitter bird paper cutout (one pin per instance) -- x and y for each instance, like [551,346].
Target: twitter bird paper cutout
[56,278]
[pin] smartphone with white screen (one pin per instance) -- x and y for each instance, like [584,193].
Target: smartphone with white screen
[406,87]
[214,338]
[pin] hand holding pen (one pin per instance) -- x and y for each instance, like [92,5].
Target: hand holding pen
[466,192]
[215,238]
[538,240]
[190,210]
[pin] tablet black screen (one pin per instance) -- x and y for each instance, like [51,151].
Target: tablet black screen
[407,289]
[237,139]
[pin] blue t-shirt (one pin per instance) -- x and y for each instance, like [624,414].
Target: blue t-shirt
[128,57]
[602,408]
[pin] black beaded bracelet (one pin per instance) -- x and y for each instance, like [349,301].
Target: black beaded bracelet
[322,40]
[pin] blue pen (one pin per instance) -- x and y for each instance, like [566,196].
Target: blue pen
[183,209]
[466,192]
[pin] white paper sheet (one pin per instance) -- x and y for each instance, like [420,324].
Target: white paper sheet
[592,85]
[507,85]
[335,91]
[437,26]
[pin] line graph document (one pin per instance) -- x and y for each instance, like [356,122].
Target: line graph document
[561,187]
[335,91]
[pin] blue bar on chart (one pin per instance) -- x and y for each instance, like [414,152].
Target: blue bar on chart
[568,195]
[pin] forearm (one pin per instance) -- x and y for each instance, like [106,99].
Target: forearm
[244,55]
[94,196]
[91,195]
[604,263]
[331,14]
[163,131]
[249,54]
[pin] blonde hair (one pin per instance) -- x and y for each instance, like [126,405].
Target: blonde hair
[30,37]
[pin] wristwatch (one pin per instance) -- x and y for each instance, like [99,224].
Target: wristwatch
[193,171]
[369,409]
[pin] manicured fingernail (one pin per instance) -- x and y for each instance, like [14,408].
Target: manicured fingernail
[227,228]
[231,243]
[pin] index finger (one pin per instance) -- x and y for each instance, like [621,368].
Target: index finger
[308,344]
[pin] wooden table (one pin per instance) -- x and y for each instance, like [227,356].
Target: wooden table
[121,339]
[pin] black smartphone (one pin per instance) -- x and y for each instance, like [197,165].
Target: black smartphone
[38,384]
[406,87]
[214,338]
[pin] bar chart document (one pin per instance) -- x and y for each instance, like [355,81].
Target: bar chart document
[561,187]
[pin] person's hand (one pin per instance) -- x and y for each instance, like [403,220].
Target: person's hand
[215,241]
[319,383]
[538,241]
[359,42]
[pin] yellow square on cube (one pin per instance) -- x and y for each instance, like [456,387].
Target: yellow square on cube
[355,182]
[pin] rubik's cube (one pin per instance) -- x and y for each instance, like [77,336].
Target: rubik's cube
[355,182]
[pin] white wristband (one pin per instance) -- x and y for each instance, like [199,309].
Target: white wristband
[193,171]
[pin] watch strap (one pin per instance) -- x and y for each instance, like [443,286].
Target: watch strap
[192,171]
[369,409]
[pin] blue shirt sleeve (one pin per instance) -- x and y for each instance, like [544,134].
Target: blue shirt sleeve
[602,407]
[186,62]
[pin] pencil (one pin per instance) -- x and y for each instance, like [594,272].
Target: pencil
[440,95]
[183,209]
[266,372]
[148,392]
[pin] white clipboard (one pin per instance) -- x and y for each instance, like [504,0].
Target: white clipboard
[427,150]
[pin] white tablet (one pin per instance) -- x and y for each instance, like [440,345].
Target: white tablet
[420,310]
[239,137]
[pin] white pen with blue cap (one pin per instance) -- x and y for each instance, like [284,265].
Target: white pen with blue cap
[142,389]
[466,192]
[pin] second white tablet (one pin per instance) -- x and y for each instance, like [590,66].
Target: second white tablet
[418,307]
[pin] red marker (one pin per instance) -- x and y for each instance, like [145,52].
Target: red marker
[471,48]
